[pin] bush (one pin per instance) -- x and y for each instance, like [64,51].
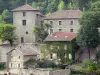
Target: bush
[2,66]
[90,66]
[46,64]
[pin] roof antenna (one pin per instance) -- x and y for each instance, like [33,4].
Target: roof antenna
[26,1]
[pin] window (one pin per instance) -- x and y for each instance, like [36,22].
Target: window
[24,13]
[26,32]
[11,64]
[51,22]
[19,57]
[22,40]
[71,30]
[60,29]
[24,22]
[51,56]
[18,65]
[60,22]
[51,31]
[71,22]
[65,47]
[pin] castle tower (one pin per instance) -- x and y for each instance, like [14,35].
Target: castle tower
[24,18]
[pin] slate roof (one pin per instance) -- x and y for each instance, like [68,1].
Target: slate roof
[27,50]
[63,14]
[61,36]
[25,7]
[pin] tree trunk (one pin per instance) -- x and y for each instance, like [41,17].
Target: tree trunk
[89,53]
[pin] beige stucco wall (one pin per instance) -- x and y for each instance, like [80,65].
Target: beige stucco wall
[13,57]
[31,20]
[66,26]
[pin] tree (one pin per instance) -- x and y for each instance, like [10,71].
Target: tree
[61,5]
[7,33]
[41,31]
[7,16]
[88,36]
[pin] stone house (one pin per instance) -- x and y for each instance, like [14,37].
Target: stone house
[64,43]
[24,18]
[17,56]
[64,20]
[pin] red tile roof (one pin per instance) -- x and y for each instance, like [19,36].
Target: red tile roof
[25,7]
[61,36]
[65,14]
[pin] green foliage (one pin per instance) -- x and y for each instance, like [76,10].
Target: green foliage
[89,22]
[46,64]
[62,54]
[31,63]
[7,33]
[6,16]
[61,5]
[2,66]
[90,66]
[41,31]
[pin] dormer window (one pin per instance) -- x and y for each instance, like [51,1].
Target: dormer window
[24,13]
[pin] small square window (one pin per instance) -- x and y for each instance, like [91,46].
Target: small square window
[60,22]
[71,30]
[60,29]
[23,22]
[24,13]
[26,32]
[71,22]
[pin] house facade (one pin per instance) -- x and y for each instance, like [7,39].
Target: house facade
[18,56]
[24,18]
[60,46]
[64,21]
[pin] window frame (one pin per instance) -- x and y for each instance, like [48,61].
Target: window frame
[24,13]
[24,22]
[60,22]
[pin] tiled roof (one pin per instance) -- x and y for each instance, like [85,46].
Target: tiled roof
[25,7]
[27,49]
[61,36]
[65,14]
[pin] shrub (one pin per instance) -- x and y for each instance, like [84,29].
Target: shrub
[2,66]
[90,66]
[46,64]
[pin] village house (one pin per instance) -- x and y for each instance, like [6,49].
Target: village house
[64,21]
[18,56]
[24,18]
[63,40]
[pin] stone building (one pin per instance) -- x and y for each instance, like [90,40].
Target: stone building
[64,20]
[24,18]
[17,56]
